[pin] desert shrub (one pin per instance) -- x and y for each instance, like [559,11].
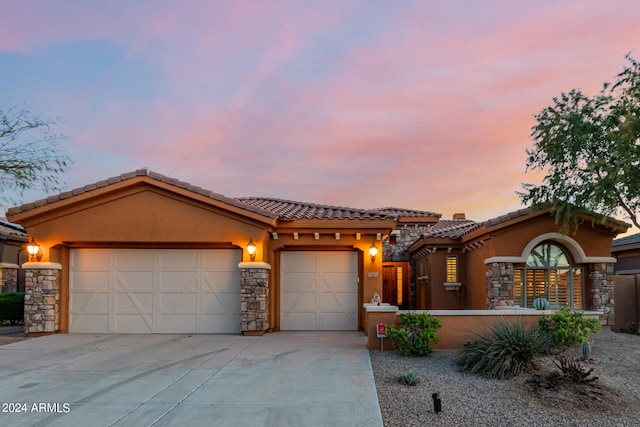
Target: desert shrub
[414,334]
[409,378]
[574,370]
[506,351]
[11,307]
[567,327]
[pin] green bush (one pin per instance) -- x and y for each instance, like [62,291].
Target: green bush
[11,307]
[568,327]
[506,351]
[415,333]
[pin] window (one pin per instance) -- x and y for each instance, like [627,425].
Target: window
[549,274]
[452,269]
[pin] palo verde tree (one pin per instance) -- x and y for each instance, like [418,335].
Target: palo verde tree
[29,154]
[589,149]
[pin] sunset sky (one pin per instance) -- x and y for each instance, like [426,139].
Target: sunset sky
[424,105]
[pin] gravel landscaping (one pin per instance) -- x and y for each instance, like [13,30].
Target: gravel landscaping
[539,398]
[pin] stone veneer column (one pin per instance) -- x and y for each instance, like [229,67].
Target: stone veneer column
[254,297]
[601,291]
[41,297]
[499,276]
[8,277]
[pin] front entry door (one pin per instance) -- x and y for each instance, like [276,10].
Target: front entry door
[395,284]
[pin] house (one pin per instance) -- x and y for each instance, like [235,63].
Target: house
[513,259]
[626,250]
[143,252]
[12,240]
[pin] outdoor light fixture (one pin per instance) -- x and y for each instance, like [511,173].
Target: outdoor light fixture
[35,253]
[373,251]
[251,248]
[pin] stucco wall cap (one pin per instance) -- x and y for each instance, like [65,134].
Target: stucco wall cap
[254,265]
[42,266]
[8,265]
[382,308]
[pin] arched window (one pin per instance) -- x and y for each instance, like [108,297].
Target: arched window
[549,274]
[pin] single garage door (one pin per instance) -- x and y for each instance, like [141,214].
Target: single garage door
[318,290]
[145,290]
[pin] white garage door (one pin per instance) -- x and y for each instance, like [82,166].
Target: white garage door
[145,290]
[318,291]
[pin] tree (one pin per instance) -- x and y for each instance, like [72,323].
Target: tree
[589,150]
[29,154]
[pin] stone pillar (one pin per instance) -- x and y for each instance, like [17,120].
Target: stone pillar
[254,297]
[499,276]
[41,297]
[601,288]
[8,277]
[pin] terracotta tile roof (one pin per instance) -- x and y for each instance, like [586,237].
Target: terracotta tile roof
[507,217]
[288,209]
[527,211]
[451,228]
[397,212]
[152,175]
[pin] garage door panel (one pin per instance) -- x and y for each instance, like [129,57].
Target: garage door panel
[159,290]
[228,282]
[220,260]
[219,324]
[296,282]
[339,282]
[335,321]
[178,280]
[298,302]
[178,302]
[298,262]
[178,323]
[138,280]
[299,322]
[95,322]
[178,260]
[220,303]
[91,302]
[96,260]
[135,260]
[91,281]
[319,290]
[338,302]
[134,301]
[133,323]
[335,262]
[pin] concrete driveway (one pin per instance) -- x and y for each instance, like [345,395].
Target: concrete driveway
[279,379]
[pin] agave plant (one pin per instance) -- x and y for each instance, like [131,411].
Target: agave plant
[409,378]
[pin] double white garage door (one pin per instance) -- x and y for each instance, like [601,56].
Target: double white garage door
[142,291]
[198,291]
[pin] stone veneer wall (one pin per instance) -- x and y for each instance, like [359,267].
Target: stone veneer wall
[254,298]
[41,297]
[408,235]
[601,291]
[8,278]
[499,276]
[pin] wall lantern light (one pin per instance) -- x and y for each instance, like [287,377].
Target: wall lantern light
[373,251]
[251,248]
[35,253]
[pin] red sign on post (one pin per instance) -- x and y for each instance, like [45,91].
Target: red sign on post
[382,330]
